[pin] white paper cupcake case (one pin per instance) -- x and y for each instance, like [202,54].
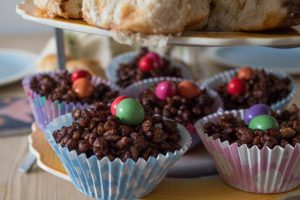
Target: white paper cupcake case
[45,110]
[251,169]
[222,78]
[111,70]
[137,88]
[114,180]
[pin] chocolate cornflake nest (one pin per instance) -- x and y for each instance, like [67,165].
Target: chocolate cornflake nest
[129,73]
[96,132]
[184,111]
[229,128]
[262,88]
[59,87]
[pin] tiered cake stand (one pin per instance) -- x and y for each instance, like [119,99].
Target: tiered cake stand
[207,187]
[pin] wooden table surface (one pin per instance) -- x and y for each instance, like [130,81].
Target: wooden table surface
[37,185]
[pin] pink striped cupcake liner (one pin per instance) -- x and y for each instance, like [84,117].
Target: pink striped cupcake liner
[252,169]
[45,110]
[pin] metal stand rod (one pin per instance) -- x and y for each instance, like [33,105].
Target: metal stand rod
[60,48]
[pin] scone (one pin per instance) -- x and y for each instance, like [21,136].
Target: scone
[253,15]
[60,8]
[49,63]
[147,16]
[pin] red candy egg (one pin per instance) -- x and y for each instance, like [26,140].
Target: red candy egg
[83,87]
[115,103]
[236,87]
[150,61]
[80,74]
[146,64]
[157,61]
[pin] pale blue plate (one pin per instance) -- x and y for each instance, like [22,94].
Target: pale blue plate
[15,64]
[287,60]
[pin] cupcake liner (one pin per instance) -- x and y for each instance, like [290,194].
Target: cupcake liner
[225,77]
[137,88]
[105,179]
[111,70]
[252,169]
[45,110]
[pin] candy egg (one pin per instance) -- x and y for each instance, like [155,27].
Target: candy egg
[157,60]
[150,61]
[146,64]
[83,87]
[80,74]
[164,90]
[130,112]
[188,90]
[115,103]
[245,73]
[236,87]
[263,122]
[256,110]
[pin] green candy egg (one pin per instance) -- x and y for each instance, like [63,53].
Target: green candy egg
[130,112]
[263,122]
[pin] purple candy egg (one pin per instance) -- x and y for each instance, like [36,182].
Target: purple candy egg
[256,110]
[164,90]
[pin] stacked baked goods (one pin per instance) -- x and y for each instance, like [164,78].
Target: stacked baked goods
[126,144]
[154,16]
[121,147]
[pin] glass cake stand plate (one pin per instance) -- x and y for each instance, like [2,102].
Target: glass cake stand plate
[206,187]
[282,38]
[287,60]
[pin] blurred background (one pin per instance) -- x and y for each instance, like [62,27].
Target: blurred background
[11,23]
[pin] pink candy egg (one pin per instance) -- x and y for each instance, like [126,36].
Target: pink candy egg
[164,90]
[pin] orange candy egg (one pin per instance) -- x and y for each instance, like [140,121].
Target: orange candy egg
[83,87]
[245,73]
[188,90]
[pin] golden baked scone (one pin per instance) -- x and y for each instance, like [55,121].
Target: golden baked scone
[60,8]
[147,16]
[253,15]
[49,63]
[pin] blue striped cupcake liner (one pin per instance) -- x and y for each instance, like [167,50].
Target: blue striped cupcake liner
[111,70]
[114,180]
[137,88]
[222,78]
[45,110]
